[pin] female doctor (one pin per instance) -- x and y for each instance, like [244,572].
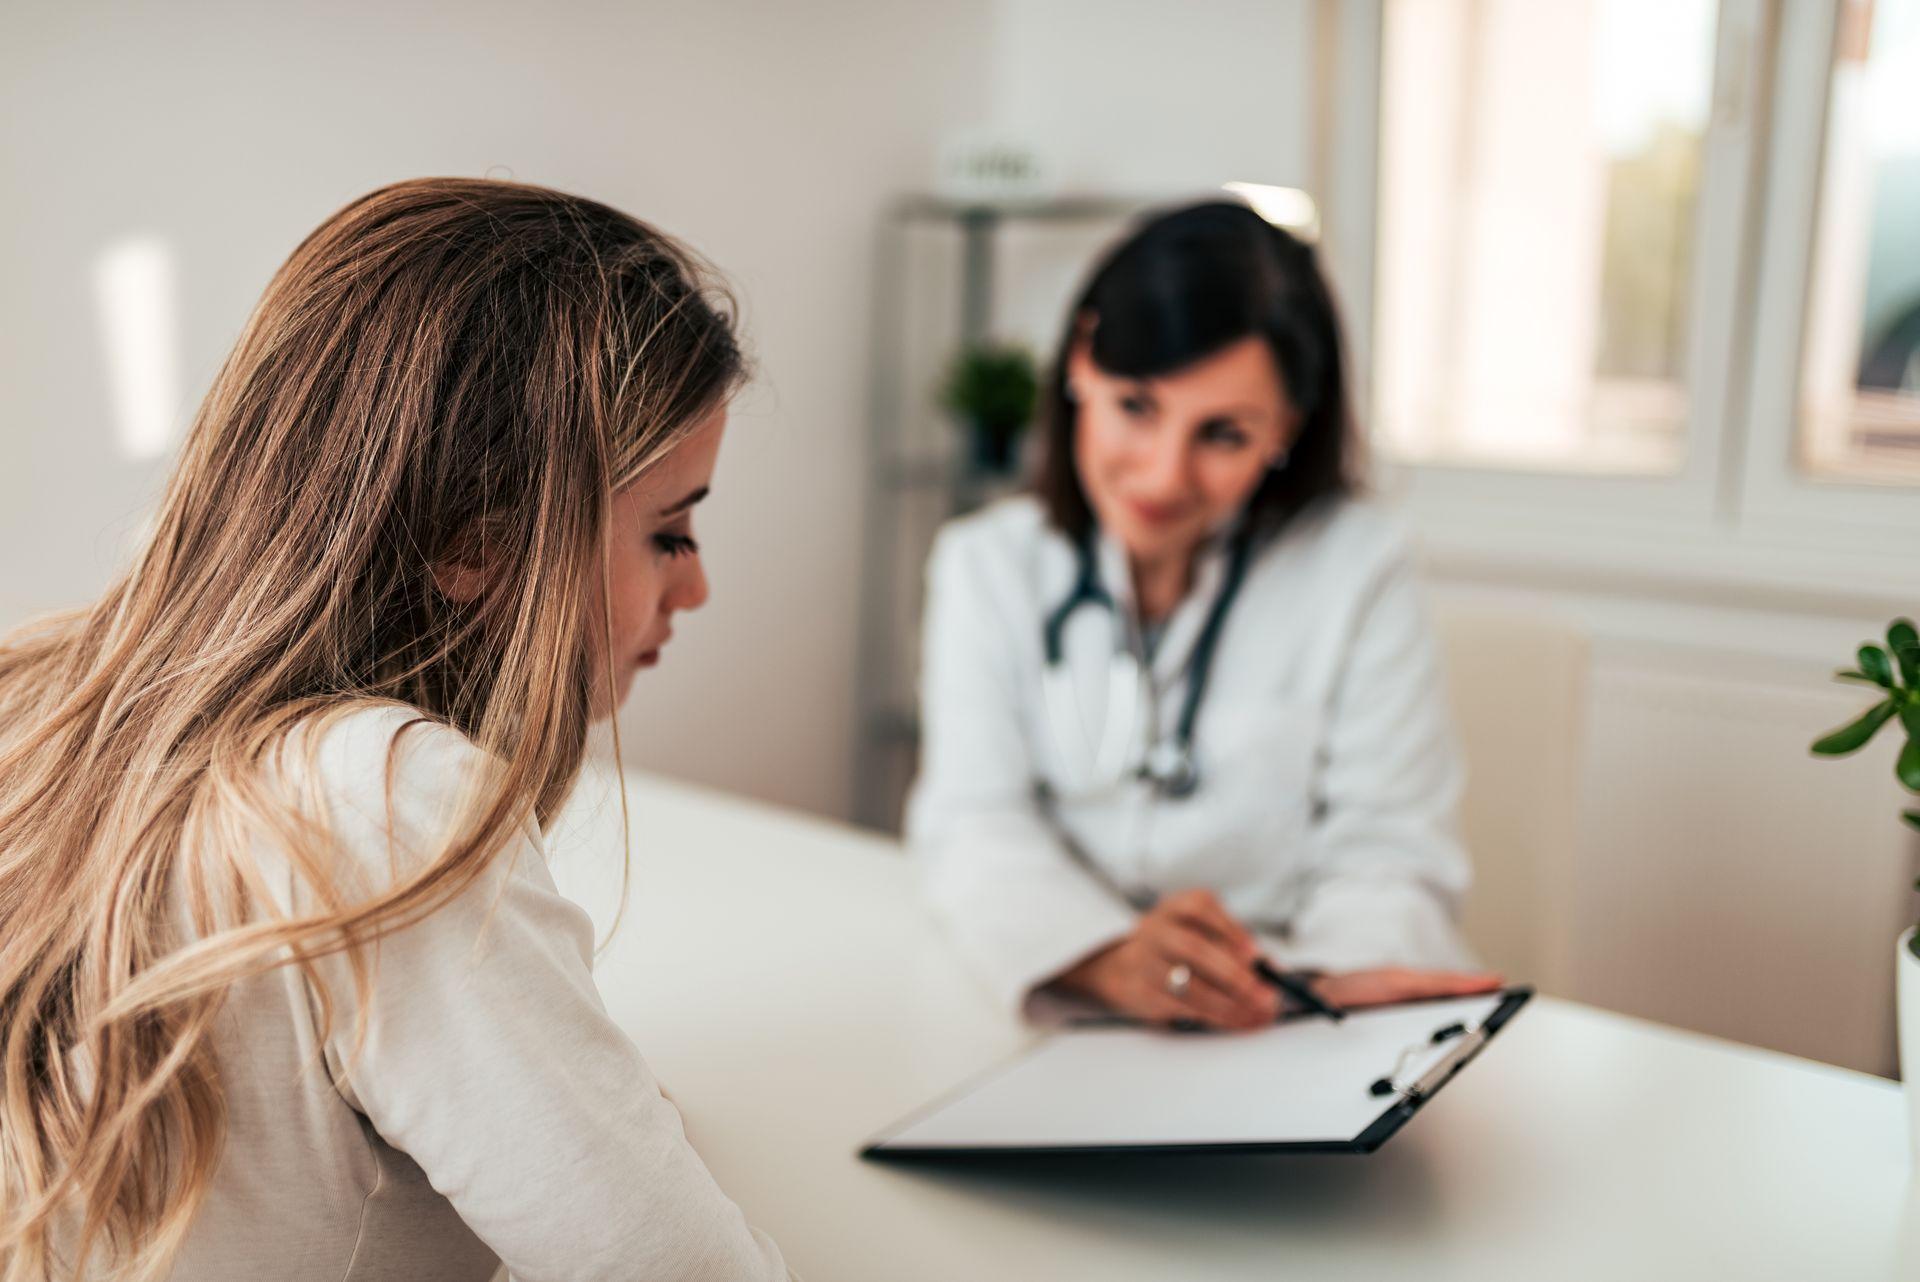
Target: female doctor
[1182,707]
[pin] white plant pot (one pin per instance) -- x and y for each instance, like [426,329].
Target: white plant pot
[1907,984]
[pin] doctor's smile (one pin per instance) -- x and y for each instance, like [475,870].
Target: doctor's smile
[1156,513]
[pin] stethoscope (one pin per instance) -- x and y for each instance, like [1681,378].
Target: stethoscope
[1168,765]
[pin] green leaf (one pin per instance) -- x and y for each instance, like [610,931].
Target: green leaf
[1912,817]
[1904,642]
[1854,735]
[1909,660]
[1910,718]
[1907,768]
[993,387]
[1848,674]
[1874,662]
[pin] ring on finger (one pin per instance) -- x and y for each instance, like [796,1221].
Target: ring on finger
[1180,979]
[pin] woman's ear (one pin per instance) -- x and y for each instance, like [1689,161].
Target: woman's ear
[466,570]
[461,581]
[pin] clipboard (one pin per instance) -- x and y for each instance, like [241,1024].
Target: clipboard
[1305,1085]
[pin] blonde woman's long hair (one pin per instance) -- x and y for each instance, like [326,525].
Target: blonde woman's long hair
[445,371]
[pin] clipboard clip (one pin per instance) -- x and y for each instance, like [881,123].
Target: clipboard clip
[1412,1085]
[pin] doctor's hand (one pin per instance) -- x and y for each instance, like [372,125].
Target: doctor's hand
[1186,959]
[1391,984]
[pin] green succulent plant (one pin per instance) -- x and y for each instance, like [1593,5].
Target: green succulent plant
[1894,671]
[993,388]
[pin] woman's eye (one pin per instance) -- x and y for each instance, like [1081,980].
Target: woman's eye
[1223,433]
[1134,405]
[675,545]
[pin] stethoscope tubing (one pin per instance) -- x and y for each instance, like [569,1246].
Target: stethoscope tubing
[1128,683]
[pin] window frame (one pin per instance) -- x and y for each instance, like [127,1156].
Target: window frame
[1777,494]
[1737,520]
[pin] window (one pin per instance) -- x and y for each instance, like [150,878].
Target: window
[1860,372]
[1639,280]
[1540,167]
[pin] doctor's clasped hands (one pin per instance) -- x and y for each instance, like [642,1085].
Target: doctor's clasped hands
[1190,937]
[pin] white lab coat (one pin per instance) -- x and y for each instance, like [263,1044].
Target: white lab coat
[1329,778]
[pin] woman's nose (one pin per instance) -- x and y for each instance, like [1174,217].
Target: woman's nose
[689,591]
[1166,466]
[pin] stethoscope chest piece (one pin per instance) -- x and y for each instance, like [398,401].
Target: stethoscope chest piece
[1169,767]
[1168,764]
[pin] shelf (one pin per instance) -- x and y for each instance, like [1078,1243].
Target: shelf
[1063,209]
[894,726]
[912,471]
[914,478]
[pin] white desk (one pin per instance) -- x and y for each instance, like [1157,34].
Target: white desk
[783,980]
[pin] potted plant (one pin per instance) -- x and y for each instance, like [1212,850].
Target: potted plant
[1894,672]
[991,388]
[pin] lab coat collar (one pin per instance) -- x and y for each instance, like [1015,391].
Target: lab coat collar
[1184,624]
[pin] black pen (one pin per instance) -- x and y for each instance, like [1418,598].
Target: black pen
[1298,989]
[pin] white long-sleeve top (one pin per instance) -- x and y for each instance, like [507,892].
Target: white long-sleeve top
[495,1114]
[1329,779]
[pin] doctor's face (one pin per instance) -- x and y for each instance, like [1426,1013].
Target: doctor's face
[654,569]
[1167,461]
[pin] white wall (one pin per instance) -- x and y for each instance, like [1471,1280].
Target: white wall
[766,134]
[1713,874]
[1149,97]
[1147,100]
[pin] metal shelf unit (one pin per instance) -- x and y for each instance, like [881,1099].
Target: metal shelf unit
[914,486]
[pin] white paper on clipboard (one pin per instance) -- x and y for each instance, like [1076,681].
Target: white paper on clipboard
[1306,1081]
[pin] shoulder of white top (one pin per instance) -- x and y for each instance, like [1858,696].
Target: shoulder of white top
[1351,532]
[1007,532]
[366,750]
[1017,517]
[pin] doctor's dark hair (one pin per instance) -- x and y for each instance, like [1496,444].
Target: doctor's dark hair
[1185,285]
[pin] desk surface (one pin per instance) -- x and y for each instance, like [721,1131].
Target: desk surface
[784,982]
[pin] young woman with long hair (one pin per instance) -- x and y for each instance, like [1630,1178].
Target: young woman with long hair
[286,990]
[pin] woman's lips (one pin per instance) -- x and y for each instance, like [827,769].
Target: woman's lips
[1154,513]
[650,657]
